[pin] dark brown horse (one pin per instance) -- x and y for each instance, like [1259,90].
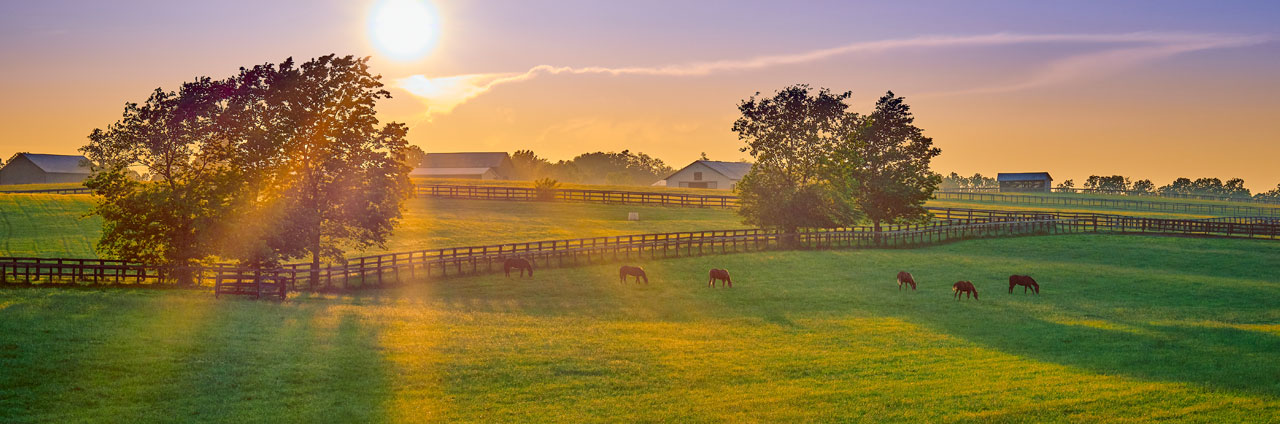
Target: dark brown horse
[632,271]
[1025,282]
[517,263]
[905,278]
[719,274]
[966,288]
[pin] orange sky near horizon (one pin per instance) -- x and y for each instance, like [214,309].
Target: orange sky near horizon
[1191,94]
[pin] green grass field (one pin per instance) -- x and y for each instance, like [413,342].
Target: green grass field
[51,225]
[1126,329]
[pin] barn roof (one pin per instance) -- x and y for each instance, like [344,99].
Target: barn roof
[731,170]
[1023,176]
[449,171]
[58,164]
[465,160]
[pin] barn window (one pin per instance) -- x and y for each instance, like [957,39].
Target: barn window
[697,176]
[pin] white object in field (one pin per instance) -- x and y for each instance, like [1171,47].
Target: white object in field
[633,216]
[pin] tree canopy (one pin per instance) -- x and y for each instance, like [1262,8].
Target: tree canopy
[793,137]
[277,162]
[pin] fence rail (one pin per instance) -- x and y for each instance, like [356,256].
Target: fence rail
[1133,193]
[378,270]
[1144,205]
[578,195]
[77,190]
[699,200]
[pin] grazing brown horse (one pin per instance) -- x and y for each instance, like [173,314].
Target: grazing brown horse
[966,288]
[905,278]
[633,271]
[719,274]
[517,263]
[1025,282]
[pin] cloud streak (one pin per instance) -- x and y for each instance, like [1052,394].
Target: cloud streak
[443,94]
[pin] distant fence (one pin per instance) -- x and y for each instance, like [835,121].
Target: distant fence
[1125,193]
[77,190]
[1144,205]
[378,270]
[578,195]
[699,200]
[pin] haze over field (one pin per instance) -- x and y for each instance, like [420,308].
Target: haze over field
[1154,90]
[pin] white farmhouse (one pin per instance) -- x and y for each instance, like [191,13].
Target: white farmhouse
[709,174]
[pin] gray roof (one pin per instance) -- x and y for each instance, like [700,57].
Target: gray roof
[449,171]
[731,170]
[1023,176]
[465,160]
[58,164]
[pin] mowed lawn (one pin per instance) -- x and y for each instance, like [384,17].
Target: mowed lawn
[1126,328]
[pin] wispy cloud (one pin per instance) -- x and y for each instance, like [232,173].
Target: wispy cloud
[443,94]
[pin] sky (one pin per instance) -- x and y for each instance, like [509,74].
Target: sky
[1147,89]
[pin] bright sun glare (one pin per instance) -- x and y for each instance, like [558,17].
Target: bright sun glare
[403,29]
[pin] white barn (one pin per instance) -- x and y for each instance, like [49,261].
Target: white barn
[709,174]
[34,168]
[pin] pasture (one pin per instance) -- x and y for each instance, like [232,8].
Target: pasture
[1126,328]
[50,225]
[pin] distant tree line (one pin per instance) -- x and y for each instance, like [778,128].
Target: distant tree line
[277,162]
[817,164]
[613,168]
[1119,184]
[957,181]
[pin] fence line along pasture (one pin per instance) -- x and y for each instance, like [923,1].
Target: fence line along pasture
[77,190]
[377,270]
[578,195]
[1131,193]
[699,200]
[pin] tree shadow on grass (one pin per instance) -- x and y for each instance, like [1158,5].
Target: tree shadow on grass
[1220,358]
[258,361]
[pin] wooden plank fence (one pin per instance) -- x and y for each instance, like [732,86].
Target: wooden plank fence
[1144,205]
[379,270]
[578,195]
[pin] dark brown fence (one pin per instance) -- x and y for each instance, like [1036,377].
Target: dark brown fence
[698,200]
[77,190]
[575,195]
[1144,205]
[377,270]
[1126,193]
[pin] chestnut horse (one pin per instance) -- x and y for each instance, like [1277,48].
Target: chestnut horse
[517,263]
[719,274]
[1025,282]
[966,288]
[905,278]
[633,271]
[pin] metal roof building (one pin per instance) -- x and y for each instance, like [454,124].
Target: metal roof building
[36,168]
[1025,182]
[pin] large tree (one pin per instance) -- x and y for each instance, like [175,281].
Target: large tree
[292,162]
[793,137]
[891,177]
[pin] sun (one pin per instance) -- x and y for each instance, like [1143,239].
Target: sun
[403,30]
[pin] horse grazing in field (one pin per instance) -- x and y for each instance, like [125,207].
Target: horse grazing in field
[1025,282]
[517,263]
[905,278]
[719,274]
[966,288]
[632,271]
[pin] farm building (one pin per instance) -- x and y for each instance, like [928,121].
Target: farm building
[1025,182]
[709,174]
[34,168]
[472,165]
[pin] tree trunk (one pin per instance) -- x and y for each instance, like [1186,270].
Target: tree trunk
[875,237]
[315,261]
